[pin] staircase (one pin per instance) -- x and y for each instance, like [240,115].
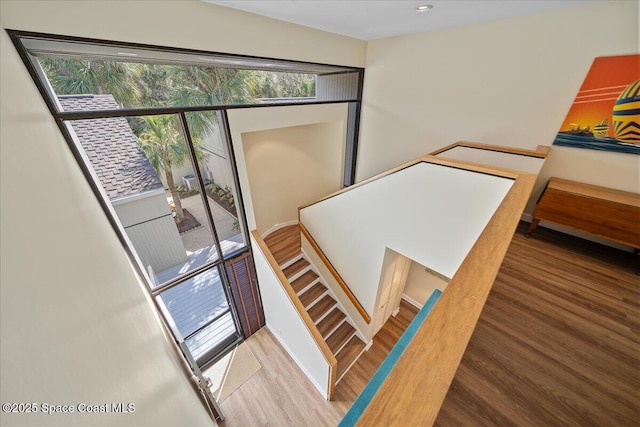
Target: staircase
[325,312]
[332,323]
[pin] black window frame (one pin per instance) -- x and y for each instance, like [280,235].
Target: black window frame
[62,119]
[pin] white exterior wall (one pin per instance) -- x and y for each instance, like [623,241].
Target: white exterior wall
[152,230]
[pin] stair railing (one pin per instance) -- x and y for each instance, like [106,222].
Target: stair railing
[334,273]
[302,312]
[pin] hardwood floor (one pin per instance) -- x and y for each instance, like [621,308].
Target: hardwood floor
[280,395]
[558,341]
[338,334]
[557,344]
[359,375]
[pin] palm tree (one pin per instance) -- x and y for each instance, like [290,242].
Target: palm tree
[198,85]
[164,147]
[88,76]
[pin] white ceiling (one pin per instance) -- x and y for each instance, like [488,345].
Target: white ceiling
[370,20]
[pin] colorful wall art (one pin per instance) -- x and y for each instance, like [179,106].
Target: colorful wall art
[606,112]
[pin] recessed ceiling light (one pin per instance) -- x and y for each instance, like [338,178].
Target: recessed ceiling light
[424,8]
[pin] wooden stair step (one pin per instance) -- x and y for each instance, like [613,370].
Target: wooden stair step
[340,336]
[321,307]
[303,281]
[330,322]
[295,268]
[312,294]
[349,354]
[284,243]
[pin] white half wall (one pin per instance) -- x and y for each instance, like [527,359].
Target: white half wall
[429,213]
[509,82]
[290,167]
[287,326]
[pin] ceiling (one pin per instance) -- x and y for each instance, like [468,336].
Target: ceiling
[370,20]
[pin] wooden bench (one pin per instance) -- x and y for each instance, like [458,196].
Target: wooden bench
[604,212]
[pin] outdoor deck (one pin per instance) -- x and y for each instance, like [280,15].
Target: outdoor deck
[200,300]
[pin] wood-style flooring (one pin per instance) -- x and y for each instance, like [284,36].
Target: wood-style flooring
[557,344]
[280,395]
[284,243]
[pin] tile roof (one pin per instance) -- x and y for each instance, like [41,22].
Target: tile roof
[112,147]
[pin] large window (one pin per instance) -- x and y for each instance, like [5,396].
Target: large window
[148,126]
[179,233]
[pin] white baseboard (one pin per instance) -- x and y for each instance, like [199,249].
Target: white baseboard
[278,227]
[565,230]
[411,301]
[322,391]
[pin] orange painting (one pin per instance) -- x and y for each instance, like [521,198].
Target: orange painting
[606,112]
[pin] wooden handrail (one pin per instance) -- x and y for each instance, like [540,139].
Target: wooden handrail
[335,274]
[420,380]
[308,322]
[429,158]
[361,183]
[539,152]
[513,174]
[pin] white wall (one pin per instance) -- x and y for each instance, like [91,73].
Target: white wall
[244,121]
[287,326]
[508,82]
[76,326]
[184,23]
[421,283]
[290,167]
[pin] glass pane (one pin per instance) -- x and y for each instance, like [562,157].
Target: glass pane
[215,167]
[200,310]
[144,167]
[144,85]
[212,338]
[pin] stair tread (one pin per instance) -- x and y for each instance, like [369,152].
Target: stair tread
[296,267]
[301,282]
[312,294]
[330,322]
[349,354]
[340,336]
[321,307]
[284,243]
